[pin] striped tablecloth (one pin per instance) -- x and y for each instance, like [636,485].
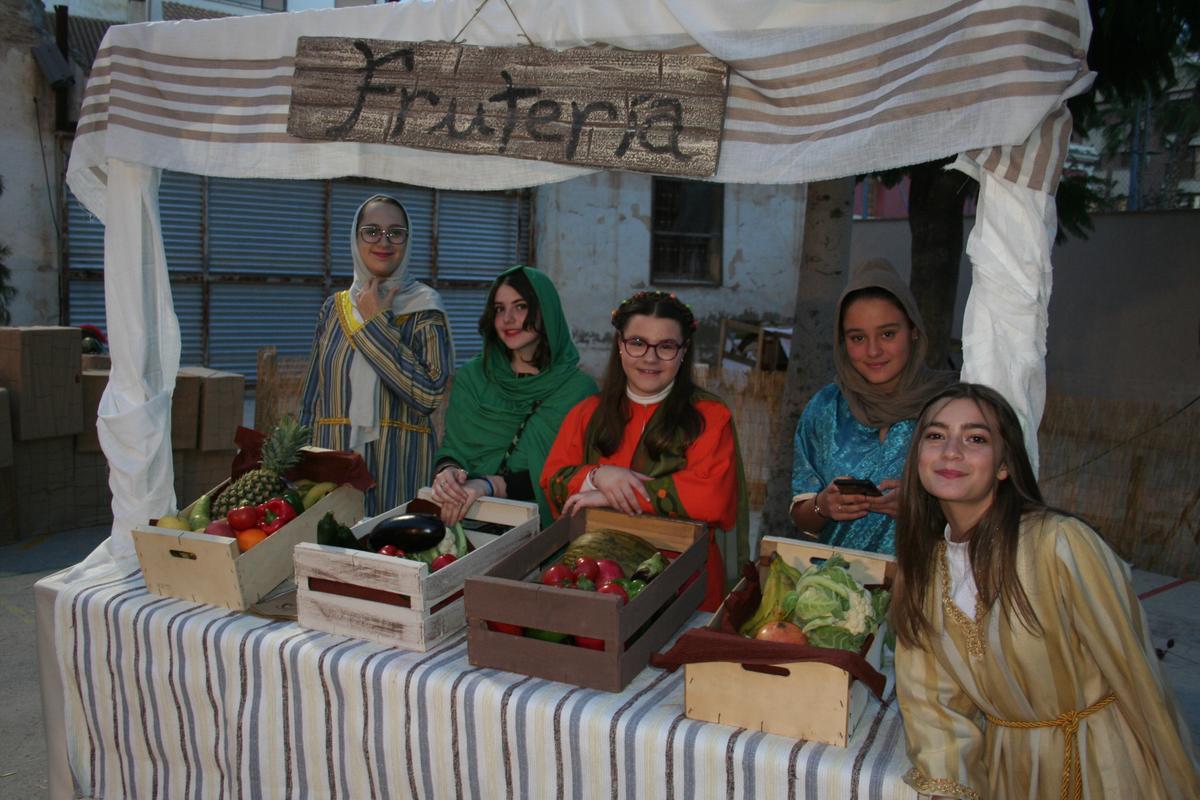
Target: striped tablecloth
[168,699]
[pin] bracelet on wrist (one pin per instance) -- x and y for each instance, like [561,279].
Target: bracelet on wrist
[817,506]
[591,476]
[491,489]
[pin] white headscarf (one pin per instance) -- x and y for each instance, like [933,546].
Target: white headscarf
[412,297]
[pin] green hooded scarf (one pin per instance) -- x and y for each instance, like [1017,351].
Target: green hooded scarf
[489,401]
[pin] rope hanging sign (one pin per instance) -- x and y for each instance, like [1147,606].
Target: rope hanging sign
[589,107]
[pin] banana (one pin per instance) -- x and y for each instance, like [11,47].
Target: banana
[303,484]
[316,492]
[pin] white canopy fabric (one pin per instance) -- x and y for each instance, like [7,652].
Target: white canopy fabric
[818,89]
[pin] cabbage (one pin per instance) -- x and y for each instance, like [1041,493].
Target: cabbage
[834,609]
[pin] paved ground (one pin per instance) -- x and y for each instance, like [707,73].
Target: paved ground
[1173,607]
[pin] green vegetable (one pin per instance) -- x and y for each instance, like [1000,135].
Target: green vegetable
[834,609]
[455,541]
[295,500]
[626,549]
[634,587]
[651,568]
[332,532]
[200,517]
[781,579]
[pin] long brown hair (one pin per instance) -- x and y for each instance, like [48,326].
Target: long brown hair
[993,541]
[678,421]
[533,318]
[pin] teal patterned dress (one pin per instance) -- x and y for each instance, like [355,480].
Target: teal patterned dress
[831,442]
[411,354]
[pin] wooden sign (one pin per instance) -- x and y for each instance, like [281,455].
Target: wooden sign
[615,109]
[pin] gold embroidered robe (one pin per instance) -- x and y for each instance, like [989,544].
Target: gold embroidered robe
[1095,642]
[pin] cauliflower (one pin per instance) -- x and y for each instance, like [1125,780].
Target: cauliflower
[834,609]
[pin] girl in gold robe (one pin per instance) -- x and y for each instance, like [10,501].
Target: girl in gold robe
[1024,667]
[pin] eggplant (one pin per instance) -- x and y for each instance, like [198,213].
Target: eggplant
[408,532]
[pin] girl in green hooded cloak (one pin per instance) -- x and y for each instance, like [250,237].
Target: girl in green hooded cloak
[508,402]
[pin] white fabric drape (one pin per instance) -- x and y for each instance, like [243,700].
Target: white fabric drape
[1005,321]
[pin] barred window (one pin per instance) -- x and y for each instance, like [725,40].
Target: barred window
[688,217]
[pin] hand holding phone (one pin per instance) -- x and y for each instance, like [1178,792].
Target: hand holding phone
[853,486]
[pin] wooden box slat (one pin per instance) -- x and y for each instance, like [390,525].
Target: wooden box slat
[205,568]
[510,593]
[359,603]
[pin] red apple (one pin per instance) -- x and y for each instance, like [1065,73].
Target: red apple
[221,527]
[608,570]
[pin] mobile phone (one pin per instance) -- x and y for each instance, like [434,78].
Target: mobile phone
[857,486]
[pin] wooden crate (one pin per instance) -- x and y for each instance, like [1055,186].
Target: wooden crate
[398,601]
[210,569]
[803,700]
[509,593]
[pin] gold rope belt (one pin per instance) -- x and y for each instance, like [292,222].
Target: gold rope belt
[1072,774]
[386,423]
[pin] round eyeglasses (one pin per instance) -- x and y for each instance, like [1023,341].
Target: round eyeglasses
[667,349]
[373,233]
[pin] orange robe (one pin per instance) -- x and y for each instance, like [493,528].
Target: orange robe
[705,489]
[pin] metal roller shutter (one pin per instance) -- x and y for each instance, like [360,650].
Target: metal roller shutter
[464,307]
[270,227]
[87,308]
[85,236]
[181,209]
[478,235]
[245,317]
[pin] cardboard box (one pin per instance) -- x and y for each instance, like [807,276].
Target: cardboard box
[397,601]
[93,497]
[6,434]
[185,413]
[37,491]
[803,700]
[95,361]
[205,568]
[197,471]
[92,383]
[221,408]
[509,593]
[40,367]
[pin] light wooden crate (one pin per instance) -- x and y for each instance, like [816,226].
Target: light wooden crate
[206,568]
[803,700]
[398,601]
[510,593]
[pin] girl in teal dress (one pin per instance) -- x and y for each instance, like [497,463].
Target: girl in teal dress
[860,425]
[380,360]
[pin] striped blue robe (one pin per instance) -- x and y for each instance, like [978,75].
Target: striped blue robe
[411,353]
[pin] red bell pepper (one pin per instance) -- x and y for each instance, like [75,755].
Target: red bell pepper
[276,512]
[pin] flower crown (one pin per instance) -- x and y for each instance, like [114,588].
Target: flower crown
[690,324]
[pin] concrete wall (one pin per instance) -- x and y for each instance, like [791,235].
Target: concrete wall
[1125,308]
[26,219]
[592,236]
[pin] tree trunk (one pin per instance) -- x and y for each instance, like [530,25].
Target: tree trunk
[935,221]
[824,262]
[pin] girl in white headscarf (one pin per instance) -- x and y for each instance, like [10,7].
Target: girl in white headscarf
[380,360]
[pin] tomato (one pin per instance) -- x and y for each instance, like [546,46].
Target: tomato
[506,627]
[613,588]
[442,560]
[557,575]
[586,568]
[389,550]
[608,570]
[249,538]
[589,642]
[243,517]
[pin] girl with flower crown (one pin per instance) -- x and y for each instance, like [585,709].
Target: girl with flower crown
[651,441]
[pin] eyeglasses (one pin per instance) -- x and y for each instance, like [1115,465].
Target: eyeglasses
[373,233]
[667,349]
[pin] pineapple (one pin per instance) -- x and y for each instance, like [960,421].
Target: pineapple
[280,452]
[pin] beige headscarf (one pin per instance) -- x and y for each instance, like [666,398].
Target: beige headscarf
[870,405]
